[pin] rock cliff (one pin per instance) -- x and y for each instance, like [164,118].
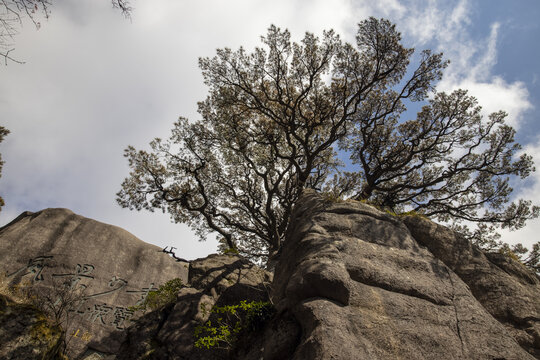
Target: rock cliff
[351,282]
[115,269]
[363,284]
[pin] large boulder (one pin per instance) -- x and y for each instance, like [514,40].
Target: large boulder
[106,266]
[361,286]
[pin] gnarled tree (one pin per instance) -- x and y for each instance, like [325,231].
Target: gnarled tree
[271,124]
[449,163]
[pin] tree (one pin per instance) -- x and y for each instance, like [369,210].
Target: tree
[3,133]
[273,120]
[14,12]
[448,163]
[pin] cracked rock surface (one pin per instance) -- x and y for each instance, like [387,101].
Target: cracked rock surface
[505,288]
[362,285]
[54,247]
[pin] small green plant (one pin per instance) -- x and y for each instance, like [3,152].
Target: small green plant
[413,213]
[391,211]
[231,321]
[331,197]
[231,251]
[508,252]
[407,213]
[164,295]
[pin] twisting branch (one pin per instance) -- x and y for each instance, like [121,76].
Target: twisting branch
[272,122]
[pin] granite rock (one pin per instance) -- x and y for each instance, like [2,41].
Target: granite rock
[26,333]
[351,282]
[116,270]
[216,280]
[504,287]
[361,285]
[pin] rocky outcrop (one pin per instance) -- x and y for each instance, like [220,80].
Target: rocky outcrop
[169,333]
[504,287]
[361,285]
[55,247]
[351,282]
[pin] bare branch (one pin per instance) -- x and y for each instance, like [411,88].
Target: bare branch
[14,13]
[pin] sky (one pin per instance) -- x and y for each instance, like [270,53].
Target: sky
[94,83]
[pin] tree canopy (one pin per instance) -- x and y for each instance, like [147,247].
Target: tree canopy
[275,119]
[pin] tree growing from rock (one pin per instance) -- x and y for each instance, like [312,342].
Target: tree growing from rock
[3,133]
[274,119]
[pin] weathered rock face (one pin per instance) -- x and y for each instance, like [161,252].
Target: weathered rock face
[117,270]
[169,333]
[350,283]
[25,332]
[505,288]
[363,286]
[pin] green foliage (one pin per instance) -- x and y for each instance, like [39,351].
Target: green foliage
[274,118]
[230,322]
[230,251]
[530,259]
[161,297]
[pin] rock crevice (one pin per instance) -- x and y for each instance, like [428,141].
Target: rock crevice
[458,326]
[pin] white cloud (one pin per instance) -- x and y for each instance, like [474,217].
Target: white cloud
[483,67]
[425,22]
[471,60]
[446,27]
[497,94]
[94,83]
